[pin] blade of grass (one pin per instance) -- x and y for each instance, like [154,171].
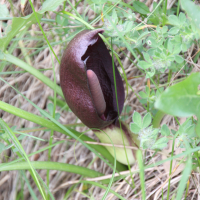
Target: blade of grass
[187,188]
[31,191]
[79,19]
[184,178]
[18,25]
[16,61]
[113,174]
[48,165]
[21,150]
[119,113]
[52,132]
[38,21]
[170,170]
[31,136]
[142,177]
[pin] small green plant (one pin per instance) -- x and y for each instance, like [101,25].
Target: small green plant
[148,135]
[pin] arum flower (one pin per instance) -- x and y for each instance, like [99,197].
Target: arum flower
[87,82]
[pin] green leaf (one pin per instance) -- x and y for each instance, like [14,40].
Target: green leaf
[193,11]
[147,90]
[184,178]
[182,99]
[142,35]
[174,20]
[137,119]
[149,74]
[177,48]
[140,7]
[114,17]
[57,116]
[50,5]
[160,143]
[146,120]
[191,131]
[182,17]
[178,59]
[141,171]
[143,95]
[144,65]
[50,108]
[135,128]
[147,57]
[4,10]
[173,30]
[18,24]
[2,147]
[165,130]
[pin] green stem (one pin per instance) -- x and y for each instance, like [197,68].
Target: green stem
[178,8]
[170,171]
[38,21]
[169,76]
[52,132]
[165,7]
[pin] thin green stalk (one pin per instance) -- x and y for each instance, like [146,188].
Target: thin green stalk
[169,76]
[32,193]
[142,175]
[43,31]
[178,8]
[187,188]
[165,7]
[22,183]
[74,9]
[118,114]
[170,170]
[12,7]
[52,132]
[184,178]
[79,19]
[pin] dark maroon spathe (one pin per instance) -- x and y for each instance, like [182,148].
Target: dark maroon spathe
[87,51]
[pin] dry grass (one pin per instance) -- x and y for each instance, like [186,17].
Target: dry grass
[69,152]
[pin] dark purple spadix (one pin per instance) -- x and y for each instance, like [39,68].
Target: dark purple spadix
[87,82]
